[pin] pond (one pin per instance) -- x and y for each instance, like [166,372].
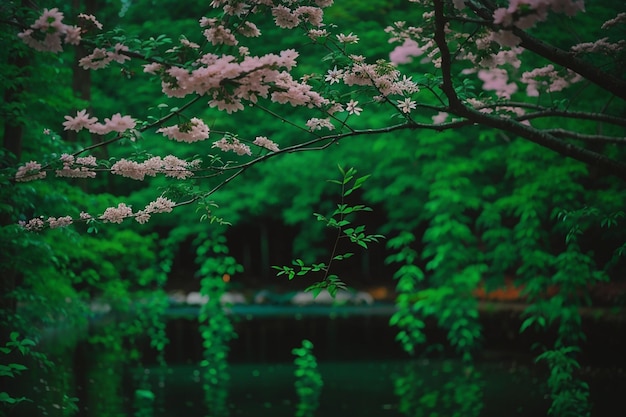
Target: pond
[359,388]
[363,369]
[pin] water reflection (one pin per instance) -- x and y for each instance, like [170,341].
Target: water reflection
[450,388]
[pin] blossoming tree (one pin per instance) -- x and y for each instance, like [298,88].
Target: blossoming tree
[486,53]
[461,64]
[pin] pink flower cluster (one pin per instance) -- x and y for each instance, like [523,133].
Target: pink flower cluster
[122,211]
[264,142]
[525,14]
[385,78]
[216,33]
[53,223]
[497,79]
[110,215]
[48,32]
[601,46]
[319,124]
[288,19]
[100,57]
[548,79]
[81,167]
[411,38]
[192,131]
[228,82]
[161,205]
[116,214]
[171,166]
[232,144]
[82,120]
[30,171]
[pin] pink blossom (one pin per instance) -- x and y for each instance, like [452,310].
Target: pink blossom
[352,108]
[403,54]
[98,59]
[51,20]
[192,131]
[116,214]
[602,46]
[73,35]
[54,222]
[312,15]
[284,18]
[286,59]
[620,18]
[496,79]
[324,3]
[187,44]
[505,38]
[117,54]
[152,68]
[231,105]
[77,167]
[459,4]
[142,217]
[335,108]
[502,16]
[318,124]
[440,118]
[206,21]
[264,142]
[349,38]
[406,105]
[131,169]
[174,167]
[80,121]
[317,33]
[50,25]
[334,75]
[33,224]
[220,35]
[171,166]
[227,144]
[160,205]
[249,30]
[91,19]
[238,9]
[51,42]
[30,171]
[117,123]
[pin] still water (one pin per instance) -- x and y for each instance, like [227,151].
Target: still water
[361,388]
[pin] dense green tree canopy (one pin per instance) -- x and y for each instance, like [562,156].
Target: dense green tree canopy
[495,149]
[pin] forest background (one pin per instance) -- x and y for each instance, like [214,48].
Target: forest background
[463,208]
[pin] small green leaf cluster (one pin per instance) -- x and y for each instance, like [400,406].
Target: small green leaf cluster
[216,327]
[144,402]
[340,219]
[11,370]
[308,379]
[408,276]
[570,396]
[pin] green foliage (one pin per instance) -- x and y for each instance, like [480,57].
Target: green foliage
[11,370]
[409,277]
[569,395]
[341,220]
[216,327]
[465,208]
[144,403]
[308,380]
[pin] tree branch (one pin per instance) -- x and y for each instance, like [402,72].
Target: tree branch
[544,139]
